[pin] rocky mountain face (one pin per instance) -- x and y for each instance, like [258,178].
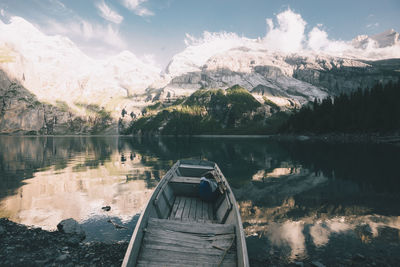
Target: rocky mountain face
[22,113]
[286,79]
[49,86]
[54,70]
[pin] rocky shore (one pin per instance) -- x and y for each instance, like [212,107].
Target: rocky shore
[25,246]
[374,138]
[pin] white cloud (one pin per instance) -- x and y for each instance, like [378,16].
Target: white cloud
[317,39]
[137,8]
[88,34]
[108,14]
[150,59]
[57,3]
[288,36]
[372,25]
[2,12]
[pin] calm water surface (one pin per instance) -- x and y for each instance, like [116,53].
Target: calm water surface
[299,201]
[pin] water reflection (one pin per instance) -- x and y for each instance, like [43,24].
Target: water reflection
[48,179]
[298,200]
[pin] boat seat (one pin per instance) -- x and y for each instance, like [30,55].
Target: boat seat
[190,166]
[178,243]
[187,180]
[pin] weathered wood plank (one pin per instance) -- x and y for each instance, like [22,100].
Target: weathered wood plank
[171,264]
[196,167]
[198,251]
[223,210]
[181,263]
[153,255]
[210,212]
[175,207]
[192,213]
[186,236]
[180,242]
[219,244]
[188,202]
[179,211]
[169,194]
[205,211]
[186,180]
[191,227]
[199,210]
[155,233]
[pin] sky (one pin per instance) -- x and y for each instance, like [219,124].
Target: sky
[156,30]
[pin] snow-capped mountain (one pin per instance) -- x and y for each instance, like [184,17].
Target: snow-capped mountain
[385,39]
[222,60]
[286,66]
[55,69]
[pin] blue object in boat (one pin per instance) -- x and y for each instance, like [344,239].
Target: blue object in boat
[207,189]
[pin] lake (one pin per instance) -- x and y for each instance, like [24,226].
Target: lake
[300,201]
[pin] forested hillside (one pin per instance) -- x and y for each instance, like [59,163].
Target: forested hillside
[231,111]
[371,110]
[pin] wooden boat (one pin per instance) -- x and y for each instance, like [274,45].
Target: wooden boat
[177,228]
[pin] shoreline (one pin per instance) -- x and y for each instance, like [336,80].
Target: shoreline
[374,138]
[369,138]
[21,245]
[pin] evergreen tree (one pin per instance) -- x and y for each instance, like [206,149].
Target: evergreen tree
[369,110]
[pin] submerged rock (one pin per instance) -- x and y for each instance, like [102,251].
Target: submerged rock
[106,208]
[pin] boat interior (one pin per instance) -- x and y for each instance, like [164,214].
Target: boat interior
[183,230]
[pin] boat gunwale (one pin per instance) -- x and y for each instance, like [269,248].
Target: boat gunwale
[139,225]
[172,173]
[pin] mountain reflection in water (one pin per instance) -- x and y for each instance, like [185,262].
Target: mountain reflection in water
[298,200]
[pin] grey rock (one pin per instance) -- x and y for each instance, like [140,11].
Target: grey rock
[70,226]
[358,257]
[41,262]
[73,240]
[22,112]
[299,263]
[2,230]
[317,264]
[62,258]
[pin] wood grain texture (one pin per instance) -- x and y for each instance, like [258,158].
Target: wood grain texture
[179,243]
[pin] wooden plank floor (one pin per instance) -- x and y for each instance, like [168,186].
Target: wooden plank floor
[191,209]
[184,243]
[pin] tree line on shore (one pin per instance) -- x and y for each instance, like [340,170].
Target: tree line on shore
[374,110]
[236,111]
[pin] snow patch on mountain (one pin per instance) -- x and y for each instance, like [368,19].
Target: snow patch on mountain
[288,60]
[198,51]
[286,37]
[55,69]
